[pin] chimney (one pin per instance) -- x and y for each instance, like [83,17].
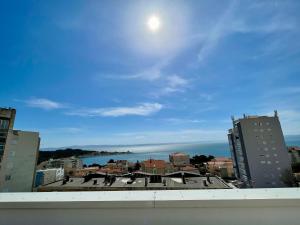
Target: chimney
[275,113]
[95,182]
[208,179]
[205,183]
[183,178]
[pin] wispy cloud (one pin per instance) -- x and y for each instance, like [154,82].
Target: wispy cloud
[183,121]
[172,84]
[185,135]
[290,90]
[61,130]
[238,18]
[217,32]
[289,119]
[144,109]
[44,103]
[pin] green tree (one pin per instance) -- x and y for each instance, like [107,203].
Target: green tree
[288,178]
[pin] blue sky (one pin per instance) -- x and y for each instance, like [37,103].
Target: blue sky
[92,72]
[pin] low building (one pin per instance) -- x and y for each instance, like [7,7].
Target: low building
[111,170]
[48,176]
[102,182]
[156,166]
[70,165]
[179,159]
[85,171]
[189,168]
[222,167]
[294,152]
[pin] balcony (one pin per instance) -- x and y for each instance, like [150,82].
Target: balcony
[224,206]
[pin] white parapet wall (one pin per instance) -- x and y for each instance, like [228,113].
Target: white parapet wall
[179,207]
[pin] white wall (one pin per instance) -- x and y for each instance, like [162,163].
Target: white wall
[235,206]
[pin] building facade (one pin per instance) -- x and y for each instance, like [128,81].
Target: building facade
[66,163]
[19,161]
[7,118]
[258,150]
[48,176]
[222,167]
[179,159]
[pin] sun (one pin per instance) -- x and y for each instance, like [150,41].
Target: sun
[154,23]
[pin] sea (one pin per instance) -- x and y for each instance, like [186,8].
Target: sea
[162,151]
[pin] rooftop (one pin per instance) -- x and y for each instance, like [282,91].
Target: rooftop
[100,182]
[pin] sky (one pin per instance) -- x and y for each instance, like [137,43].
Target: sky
[94,72]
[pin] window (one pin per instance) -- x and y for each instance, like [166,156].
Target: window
[264,142]
[269,162]
[278,168]
[260,124]
[267,155]
[7,177]
[267,123]
[273,148]
[262,162]
[255,123]
[266,149]
[275,155]
[277,161]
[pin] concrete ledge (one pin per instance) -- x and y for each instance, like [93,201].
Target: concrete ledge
[205,207]
[154,199]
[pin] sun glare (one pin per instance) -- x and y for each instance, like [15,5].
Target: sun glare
[153,23]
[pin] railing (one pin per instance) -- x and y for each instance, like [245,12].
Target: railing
[182,207]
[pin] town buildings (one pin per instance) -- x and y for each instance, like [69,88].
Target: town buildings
[179,159]
[156,166]
[48,176]
[19,155]
[70,165]
[136,181]
[259,153]
[221,166]
[85,171]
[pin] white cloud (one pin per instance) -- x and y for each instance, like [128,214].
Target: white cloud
[144,109]
[289,119]
[44,103]
[173,83]
[168,136]
[240,18]
[61,130]
[150,74]
[180,120]
[176,81]
[217,32]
